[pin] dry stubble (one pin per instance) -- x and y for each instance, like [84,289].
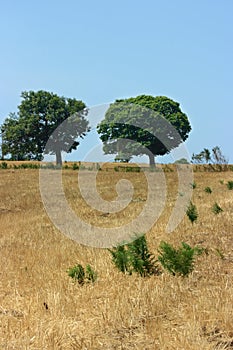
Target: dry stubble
[41,307]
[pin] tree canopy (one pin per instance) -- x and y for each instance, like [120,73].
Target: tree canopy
[25,134]
[214,156]
[156,125]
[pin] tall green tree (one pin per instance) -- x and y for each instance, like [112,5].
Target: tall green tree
[25,134]
[157,124]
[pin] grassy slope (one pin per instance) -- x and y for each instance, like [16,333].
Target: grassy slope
[117,312]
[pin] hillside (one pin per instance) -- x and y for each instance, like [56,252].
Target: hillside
[42,308]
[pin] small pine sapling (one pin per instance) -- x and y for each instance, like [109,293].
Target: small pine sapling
[216,209]
[208,190]
[192,212]
[178,261]
[230,185]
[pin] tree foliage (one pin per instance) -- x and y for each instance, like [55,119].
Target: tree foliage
[215,156]
[25,134]
[181,161]
[155,124]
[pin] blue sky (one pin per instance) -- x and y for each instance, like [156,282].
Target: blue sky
[100,51]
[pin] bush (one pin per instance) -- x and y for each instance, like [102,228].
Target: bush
[121,259]
[216,209]
[178,261]
[132,169]
[192,212]
[230,185]
[81,275]
[75,166]
[50,166]
[181,161]
[208,189]
[193,185]
[3,165]
[28,166]
[135,257]
[91,275]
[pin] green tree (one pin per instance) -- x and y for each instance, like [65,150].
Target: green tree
[14,139]
[202,157]
[25,134]
[205,156]
[218,157]
[157,124]
[181,161]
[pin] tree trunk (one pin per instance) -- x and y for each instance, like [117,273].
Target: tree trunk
[152,160]
[58,157]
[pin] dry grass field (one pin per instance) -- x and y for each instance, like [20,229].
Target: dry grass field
[42,308]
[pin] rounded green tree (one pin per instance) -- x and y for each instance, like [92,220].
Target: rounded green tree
[25,134]
[143,125]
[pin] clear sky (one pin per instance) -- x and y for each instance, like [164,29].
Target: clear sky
[98,51]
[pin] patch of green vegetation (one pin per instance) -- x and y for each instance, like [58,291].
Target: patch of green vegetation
[208,190]
[192,212]
[135,257]
[216,209]
[230,185]
[178,261]
[82,275]
[75,166]
[3,165]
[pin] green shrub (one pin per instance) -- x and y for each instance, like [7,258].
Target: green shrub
[178,261]
[216,209]
[132,169]
[78,273]
[121,259]
[91,275]
[143,261]
[135,257]
[230,185]
[193,185]
[75,166]
[28,166]
[181,161]
[3,165]
[192,212]
[208,189]
[49,166]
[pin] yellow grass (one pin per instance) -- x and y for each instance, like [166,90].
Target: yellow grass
[42,308]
